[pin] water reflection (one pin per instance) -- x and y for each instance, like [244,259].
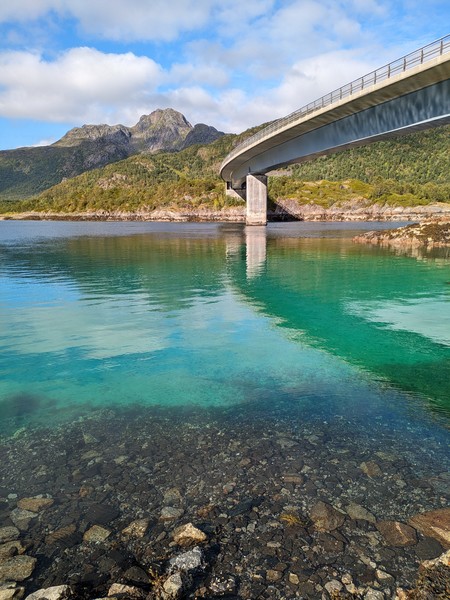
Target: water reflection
[256,250]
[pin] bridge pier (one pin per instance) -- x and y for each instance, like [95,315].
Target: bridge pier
[256,186]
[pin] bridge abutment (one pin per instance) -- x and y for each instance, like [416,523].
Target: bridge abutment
[256,186]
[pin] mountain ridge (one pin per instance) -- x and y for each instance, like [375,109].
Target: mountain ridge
[28,171]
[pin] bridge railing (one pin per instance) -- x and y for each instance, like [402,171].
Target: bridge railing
[409,61]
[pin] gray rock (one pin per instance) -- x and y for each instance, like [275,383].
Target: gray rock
[359,513]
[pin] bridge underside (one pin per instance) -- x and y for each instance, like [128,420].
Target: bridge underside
[422,109]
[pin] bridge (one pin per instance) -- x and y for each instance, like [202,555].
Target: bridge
[408,94]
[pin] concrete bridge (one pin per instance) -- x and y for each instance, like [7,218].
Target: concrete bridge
[408,94]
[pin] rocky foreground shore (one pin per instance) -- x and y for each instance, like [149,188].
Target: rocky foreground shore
[166,504]
[430,234]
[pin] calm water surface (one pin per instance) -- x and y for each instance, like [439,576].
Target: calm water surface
[100,315]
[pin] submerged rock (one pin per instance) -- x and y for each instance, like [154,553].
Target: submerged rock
[188,534]
[17,568]
[325,517]
[435,524]
[35,504]
[396,533]
[8,534]
[96,534]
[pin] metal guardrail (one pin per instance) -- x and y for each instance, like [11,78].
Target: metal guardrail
[417,57]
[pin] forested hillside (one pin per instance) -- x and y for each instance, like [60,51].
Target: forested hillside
[410,170]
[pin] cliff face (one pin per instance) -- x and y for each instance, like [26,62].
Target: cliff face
[28,171]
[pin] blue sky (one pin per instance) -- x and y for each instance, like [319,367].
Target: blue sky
[227,63]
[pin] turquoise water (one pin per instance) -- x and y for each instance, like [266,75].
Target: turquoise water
[109,315]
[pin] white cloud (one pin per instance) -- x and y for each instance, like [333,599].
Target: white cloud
[82,84]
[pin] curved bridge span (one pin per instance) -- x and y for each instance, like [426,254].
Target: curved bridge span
[408,94]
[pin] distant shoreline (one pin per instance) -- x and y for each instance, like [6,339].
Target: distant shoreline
[284,212]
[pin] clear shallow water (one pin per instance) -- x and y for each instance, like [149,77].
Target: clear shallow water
[98,315]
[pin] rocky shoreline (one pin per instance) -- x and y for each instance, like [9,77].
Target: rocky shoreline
[285,210]
[166,504]
[429,234]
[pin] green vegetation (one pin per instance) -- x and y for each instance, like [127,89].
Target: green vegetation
[407,171]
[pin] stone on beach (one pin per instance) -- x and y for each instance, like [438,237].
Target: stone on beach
[359,513]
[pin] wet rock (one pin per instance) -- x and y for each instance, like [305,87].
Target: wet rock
[435,524]
[8,534]
[101,514]
[428,548]
[58,592]
[17,568]
[137,529]
[325,517]
[359,513]
[396,533]
[60,534]
[96,534]
[35,504]
[125,591]
[188,561]
[169,513]
[244,507]
[293,478]
[294,578]
[22,518]
[188,534]
[173,587]
[370,468]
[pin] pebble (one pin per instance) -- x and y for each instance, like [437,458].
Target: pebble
[333,587]
[358,512]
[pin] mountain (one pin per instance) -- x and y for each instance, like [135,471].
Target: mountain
[28,171]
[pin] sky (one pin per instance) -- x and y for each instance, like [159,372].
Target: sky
[232,64]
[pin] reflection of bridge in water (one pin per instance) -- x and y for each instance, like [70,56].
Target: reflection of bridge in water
[410,93]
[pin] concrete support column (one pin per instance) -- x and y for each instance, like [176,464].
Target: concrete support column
[256,199]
